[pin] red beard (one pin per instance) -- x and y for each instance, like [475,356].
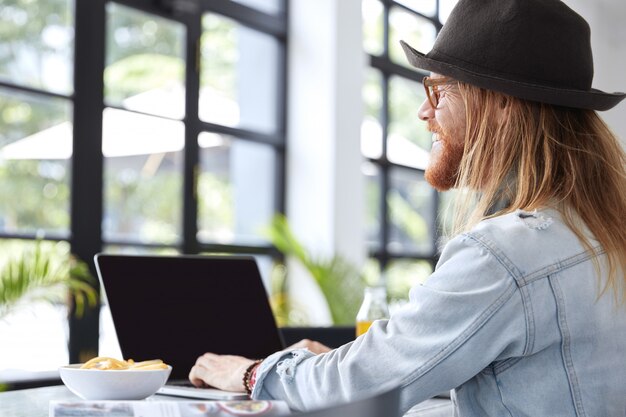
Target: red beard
[445,160]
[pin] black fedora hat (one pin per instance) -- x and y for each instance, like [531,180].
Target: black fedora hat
[538,50]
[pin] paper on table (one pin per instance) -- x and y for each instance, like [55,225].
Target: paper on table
[166,408]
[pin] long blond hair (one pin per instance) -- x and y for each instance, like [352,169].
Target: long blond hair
[535,155]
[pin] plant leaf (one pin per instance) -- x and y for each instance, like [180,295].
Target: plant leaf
[43,274]
[340,282]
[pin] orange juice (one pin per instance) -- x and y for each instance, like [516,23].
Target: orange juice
[374,307]
[362,326]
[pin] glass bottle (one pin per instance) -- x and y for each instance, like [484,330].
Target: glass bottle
[374,307]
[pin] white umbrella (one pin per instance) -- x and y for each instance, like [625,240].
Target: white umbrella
[124,134]
[127,133]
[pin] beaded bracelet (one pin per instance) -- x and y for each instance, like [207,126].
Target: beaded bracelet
[247,376]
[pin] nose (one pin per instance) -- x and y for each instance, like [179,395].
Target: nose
[426,111]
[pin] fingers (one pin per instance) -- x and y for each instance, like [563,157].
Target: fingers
[200,372]
[302,344]
[197,375]
[311,345]
[220,371]
[207,359]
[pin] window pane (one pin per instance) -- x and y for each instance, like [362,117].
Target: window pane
[238,78]
[418,32]
[236,189]
[411,211]
[426,7]
[371,129]
[371,273]
[35,152]
[34,333]
[143,165]
[408,141]
[372,12]
[372,204]
[267,6]
[145,68]
[37,48]
[34,340]
[402,275]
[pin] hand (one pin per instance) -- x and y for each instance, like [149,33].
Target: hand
[312,345]
[220,371]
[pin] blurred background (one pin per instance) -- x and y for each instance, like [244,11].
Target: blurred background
[186,126]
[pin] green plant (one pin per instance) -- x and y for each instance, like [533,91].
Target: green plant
[340,281]
[41,274]
[287,311]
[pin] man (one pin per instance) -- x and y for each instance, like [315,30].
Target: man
[525,313]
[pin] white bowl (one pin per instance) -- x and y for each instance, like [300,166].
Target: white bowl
[96,384]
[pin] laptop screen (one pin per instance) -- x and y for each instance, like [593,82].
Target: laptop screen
[177,308]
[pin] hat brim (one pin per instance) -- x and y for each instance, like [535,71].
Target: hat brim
[592,99]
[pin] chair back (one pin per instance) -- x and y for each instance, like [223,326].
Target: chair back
[386,404]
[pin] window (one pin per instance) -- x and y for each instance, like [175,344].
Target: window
[143,135]
[401,208]
[136,127]
[36,124]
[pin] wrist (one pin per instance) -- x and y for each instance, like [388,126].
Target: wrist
[249,376]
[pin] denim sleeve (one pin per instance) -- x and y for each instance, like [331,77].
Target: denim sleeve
[468,314]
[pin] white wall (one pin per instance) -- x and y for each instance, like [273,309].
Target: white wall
[607,19]
[326,63]
[324,182]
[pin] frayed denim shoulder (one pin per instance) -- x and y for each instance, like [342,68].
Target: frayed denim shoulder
[533,219]
[286,367]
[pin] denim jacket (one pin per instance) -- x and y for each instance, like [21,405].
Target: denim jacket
[513,319]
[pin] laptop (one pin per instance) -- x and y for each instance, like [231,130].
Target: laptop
[176,308]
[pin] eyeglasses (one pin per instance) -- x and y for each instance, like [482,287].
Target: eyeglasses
[432,91]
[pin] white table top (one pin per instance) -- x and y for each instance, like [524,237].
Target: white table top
[34,403]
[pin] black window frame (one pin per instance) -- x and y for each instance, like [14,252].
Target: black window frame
[87,164]
[388,69]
